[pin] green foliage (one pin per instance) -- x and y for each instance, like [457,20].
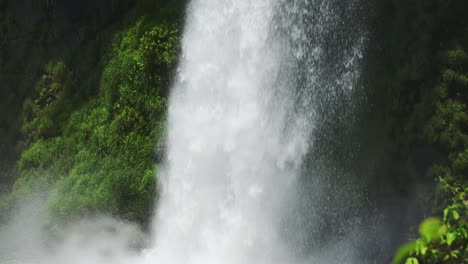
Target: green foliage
[44,115]
[38,37]
[444,127]
[445,241]
[403,252]
[142,60]
[99,157]
[420,68]
[441,241]
[412,261]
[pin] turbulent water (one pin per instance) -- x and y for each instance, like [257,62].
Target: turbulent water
[234,147]
[257,81]
[241,117]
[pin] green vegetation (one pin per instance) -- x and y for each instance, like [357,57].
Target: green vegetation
[419,63]
[441,241]
[440,119]
[87,110]
[95,151]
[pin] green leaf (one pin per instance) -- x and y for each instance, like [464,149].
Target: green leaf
[455,215]
[423,249]
[429,229]
[412,261]
[403,252]
[452,236]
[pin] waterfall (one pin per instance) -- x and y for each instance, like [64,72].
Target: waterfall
[263,91]
[253,80]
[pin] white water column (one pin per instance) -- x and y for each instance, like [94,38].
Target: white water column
[233,146]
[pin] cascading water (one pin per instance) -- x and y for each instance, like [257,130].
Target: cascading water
[233,148]
[240,120]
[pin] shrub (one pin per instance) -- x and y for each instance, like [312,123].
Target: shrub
[443,241]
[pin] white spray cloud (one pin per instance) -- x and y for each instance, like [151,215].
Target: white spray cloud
[26,239]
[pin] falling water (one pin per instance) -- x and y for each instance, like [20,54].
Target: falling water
[242,112]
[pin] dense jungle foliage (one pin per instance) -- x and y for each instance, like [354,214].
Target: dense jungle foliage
[93,116]
[83,99]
